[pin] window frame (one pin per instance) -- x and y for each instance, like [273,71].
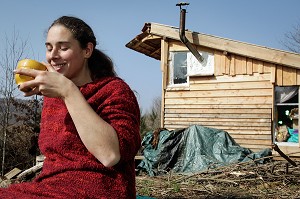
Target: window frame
[189,62]
[171,71]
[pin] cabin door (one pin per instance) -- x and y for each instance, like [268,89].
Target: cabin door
[286,116]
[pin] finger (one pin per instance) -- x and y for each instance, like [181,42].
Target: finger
[49,67]
[26,89]
[33,91]
[28,72]
[36,90]
[28,85]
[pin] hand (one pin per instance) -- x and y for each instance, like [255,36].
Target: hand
[48,83]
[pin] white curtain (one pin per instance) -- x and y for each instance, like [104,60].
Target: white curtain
[284,93]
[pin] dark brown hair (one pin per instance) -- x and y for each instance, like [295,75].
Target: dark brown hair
[99,63]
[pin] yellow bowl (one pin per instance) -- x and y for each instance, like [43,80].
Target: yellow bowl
[29,64]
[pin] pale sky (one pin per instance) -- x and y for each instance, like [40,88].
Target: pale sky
[116,22]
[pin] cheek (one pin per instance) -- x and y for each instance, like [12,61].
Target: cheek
[48,57]
[69,55]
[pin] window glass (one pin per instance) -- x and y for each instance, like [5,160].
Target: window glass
[180,68]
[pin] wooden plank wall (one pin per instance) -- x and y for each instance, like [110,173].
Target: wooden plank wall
[238,99]
[286,76]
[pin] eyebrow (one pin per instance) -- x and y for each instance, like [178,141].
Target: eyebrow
[60,42]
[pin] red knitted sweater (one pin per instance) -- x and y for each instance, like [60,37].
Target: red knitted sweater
[69,170]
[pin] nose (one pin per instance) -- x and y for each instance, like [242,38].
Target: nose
[54,53]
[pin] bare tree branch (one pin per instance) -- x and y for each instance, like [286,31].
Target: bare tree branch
[16,130]
[292,41]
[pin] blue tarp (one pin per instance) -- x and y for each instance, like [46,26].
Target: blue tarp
[193,149]
[294,135]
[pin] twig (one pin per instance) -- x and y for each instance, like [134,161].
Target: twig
[222,167]
[218,180]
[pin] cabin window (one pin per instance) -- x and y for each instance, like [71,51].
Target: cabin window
[286,109]
[183,64]
[178,68]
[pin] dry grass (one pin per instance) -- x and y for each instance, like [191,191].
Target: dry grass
[275,179]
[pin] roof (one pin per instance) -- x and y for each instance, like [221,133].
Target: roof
[149,43]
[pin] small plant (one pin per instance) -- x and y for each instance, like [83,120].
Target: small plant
[176,187]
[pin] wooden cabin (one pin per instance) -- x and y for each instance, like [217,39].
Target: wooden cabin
[237,88]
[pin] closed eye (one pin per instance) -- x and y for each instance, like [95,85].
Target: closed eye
[64,48]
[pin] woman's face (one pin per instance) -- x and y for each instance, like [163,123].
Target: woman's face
[66,56]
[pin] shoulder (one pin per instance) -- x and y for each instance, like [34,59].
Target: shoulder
[116,81]
[118,86]
[107,86]
[104,82]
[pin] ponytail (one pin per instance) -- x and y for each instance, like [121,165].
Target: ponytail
[101,65]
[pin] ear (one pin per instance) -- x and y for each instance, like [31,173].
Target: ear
[88,50]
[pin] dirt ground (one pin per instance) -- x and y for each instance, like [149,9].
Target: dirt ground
[272,180]
[275,179]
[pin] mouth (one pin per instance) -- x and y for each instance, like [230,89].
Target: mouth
[58,67]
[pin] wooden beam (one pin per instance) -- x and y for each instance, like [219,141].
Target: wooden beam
[164,69]
[232,66]
[154,52]
[223,106]
[12,173]
[279,78]
[249,66]
[273,114]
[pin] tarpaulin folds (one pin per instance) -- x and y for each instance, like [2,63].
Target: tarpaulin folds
[193,149]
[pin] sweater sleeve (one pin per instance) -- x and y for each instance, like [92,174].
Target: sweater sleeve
[121,110]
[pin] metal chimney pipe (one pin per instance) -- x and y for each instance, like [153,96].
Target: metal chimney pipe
[182,36]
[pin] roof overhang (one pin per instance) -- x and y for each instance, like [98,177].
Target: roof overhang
[149,43]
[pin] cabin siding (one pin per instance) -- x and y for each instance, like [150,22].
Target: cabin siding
[242,107]
[237,99]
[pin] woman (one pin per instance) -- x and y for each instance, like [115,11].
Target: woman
[90,120]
